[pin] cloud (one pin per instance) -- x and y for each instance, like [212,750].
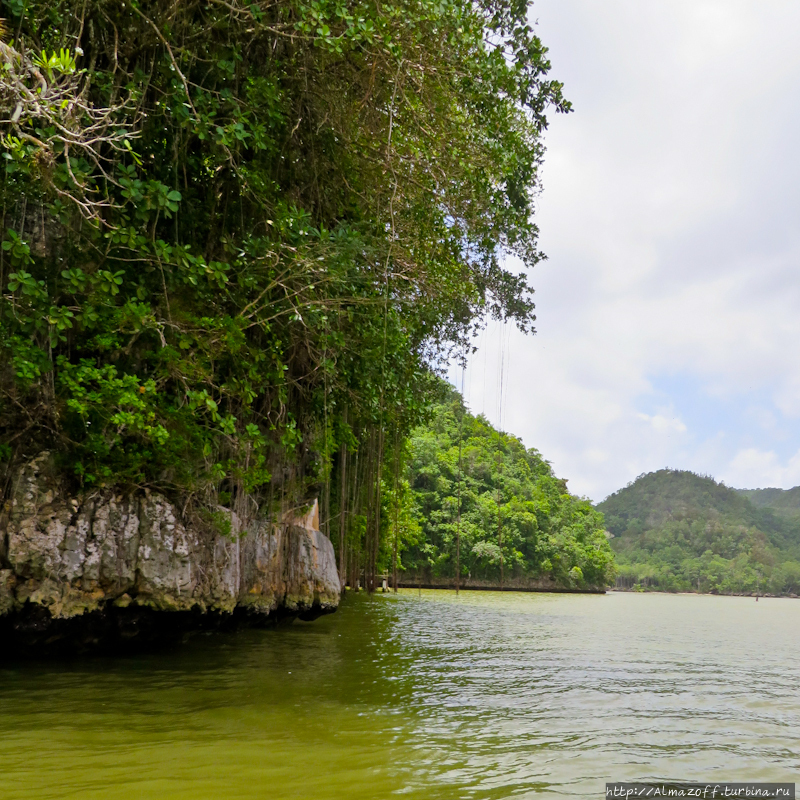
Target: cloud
[663,424]
[667,311]
[753,468]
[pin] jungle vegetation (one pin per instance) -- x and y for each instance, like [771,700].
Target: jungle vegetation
[479,498]
[239,238]
[677,531]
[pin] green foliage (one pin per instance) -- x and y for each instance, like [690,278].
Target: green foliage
[784,503]
[219,521]
[62,62]
[677,531]
[504,489]
[225,223]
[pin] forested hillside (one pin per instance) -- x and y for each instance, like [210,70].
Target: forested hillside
[783,502]
[677,531]
[238,238]
[513,517]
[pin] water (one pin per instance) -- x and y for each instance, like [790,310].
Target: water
[489,695]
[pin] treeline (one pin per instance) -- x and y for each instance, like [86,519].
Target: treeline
[677,531]
[475,497]
[238,236]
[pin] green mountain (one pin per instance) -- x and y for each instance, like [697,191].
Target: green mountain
[677,531]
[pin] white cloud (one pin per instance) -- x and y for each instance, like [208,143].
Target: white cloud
[753,468]
[663,424]
[668,325]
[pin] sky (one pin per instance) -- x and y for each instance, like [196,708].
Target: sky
[668,311]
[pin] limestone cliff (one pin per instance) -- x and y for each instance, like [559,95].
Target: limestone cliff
[105,568]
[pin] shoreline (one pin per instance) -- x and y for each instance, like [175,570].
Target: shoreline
[483,588]
[619,590]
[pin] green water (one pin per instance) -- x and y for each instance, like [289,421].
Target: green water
[489,695]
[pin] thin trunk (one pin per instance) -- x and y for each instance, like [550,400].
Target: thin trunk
[377,533]
[370,508]
[325,522]
[328,505]
[363,505]
[356,509]
[345,556]
[342,506]
[396,503]
[369,566]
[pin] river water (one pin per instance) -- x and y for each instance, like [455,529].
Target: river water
[488,695]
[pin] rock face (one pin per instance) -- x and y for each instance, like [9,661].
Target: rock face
[106,569]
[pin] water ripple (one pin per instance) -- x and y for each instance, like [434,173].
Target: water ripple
[484,696]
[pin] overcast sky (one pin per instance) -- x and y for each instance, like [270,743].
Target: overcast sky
[669,309]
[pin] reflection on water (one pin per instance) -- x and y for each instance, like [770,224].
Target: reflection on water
[488,695]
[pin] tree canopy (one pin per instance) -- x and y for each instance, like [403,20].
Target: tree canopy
[511,512]
[223,222]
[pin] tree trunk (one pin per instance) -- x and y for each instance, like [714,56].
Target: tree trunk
[376,538]
[343,505]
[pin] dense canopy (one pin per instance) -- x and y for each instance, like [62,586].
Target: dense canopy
[513,518]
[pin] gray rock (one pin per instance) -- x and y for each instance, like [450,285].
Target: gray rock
[73,555]
[7,583]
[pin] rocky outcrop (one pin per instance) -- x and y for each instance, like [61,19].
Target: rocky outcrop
[107,568]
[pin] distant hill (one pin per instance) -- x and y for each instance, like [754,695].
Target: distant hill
[784,502]
[677,531]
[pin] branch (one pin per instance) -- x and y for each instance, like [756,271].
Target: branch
[172,58]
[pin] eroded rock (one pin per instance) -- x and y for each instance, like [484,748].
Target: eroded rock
[116,561]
